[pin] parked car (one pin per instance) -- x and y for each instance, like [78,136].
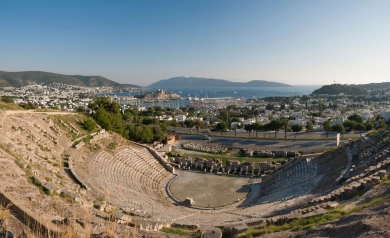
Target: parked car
[206,137]
[206,131]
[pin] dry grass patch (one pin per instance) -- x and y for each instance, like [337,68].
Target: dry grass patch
[5,212]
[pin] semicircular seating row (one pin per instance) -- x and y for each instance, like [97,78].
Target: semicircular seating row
[130,177]
[292,182]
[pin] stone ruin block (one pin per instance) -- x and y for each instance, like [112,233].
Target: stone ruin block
[375,179]
[183,161]
[292,153]
[214,163]
[265,165]
[232,165]
[233,230]
[248,152]
[210,232]
[264,153]
[280,153]
[350,191]
[189,201]
[100,205]
[200,163]
[382,173]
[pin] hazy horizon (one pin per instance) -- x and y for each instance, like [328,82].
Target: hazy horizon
[141,42]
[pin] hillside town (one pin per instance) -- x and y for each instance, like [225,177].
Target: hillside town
[310,112]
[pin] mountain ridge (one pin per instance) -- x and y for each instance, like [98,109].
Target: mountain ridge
[372,86]
[210,82]
[23,78]
[336,89]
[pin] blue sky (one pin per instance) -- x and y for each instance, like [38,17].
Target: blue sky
[141,42]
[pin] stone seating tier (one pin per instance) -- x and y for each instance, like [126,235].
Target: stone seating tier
[131,174]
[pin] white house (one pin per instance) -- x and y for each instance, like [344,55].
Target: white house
[180,118]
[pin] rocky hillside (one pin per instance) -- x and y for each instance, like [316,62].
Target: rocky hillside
[336,89]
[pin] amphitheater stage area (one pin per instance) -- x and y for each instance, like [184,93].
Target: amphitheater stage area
[209,190]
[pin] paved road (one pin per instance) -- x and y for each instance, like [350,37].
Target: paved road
[280,134]
[307,146]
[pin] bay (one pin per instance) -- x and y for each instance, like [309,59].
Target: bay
[214,92]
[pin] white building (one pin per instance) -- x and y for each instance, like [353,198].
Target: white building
[180,118]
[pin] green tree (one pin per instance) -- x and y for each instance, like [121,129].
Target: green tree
[257,126]
[7,99]
[106,102]
[296,128]
[224,115]
[198,123]
[339,128]
[326,126]
[148,121]
[285,125]
[29,105]
[189,124]
[128,116]
[309,125]
[133,111]
[266,127]
[276,125]
[360,127]
[147,135]
[136,132]
[235,129]
[117,123]
[89,124]
[356,118]
[381,124]
[139,119]
[222,126]
[174,123]
[270,107]
[351,124]
[369,126]
[80,109]
[158,134]
[163,127]
[102,118]
[249,128]
[156,121]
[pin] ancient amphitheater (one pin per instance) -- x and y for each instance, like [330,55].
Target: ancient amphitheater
[95,188]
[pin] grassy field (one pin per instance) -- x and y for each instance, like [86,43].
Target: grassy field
[10,106]
[182,231]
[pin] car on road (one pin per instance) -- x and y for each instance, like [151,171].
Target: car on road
[206,131]
[205,137]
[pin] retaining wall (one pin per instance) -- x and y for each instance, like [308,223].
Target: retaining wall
[27,217]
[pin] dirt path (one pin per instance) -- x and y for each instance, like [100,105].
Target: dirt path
[12,112]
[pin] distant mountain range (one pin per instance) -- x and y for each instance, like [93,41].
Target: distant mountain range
[372,86]
[209,82]
[18,79]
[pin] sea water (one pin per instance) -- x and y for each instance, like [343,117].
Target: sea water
[215,92]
